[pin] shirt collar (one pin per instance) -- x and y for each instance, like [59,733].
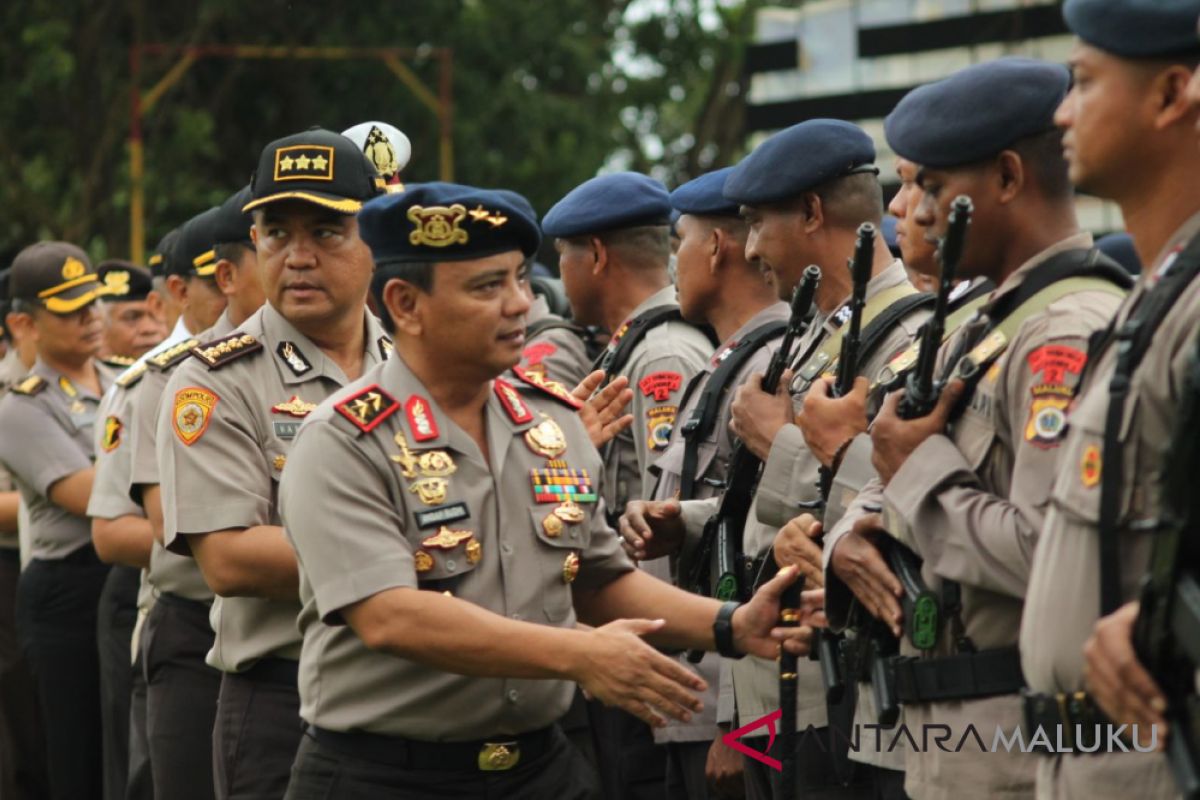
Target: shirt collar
[293,351]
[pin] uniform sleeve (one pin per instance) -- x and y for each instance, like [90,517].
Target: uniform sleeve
[838,597]
[604,560]
[214,473]
[347,532]
[960,528]
[110,485]
[35,447]
[789,478]
[657,385]
[147,408]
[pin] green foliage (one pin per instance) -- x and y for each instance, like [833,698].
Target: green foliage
[545,95]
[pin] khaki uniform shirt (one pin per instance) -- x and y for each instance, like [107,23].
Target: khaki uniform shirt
[712,463]
[11,370]
[559,354]
[44,437]
[789,478]
[658,370]
[168,572]
[1063,601]
[223,439]
[973,500]
[415,505]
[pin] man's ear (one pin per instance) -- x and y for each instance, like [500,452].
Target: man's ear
[178,288]
[812,211]
[20,325]
[225,274]
[599,255]
[157,307]
[718,240]
[1010,172]
[402,301]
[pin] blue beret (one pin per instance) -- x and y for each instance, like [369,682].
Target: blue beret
[705,196]
[433,222]
[619,200]
[798,158]
[977,111]
[1136,28]
[1119,247]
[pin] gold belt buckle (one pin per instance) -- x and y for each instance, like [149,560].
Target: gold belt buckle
[499,756]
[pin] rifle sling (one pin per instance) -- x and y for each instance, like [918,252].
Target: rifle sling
[824,358]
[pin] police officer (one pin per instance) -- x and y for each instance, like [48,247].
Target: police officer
[1132,62]
[46,444]
[719,287]
[228,418]
[132,325]
[182,694]
[613,241]
[439,623]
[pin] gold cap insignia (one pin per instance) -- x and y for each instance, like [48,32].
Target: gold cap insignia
[73,268]
[116,282]
[438,226]
[304,162]
[480,214]
[379,151]
[447,538]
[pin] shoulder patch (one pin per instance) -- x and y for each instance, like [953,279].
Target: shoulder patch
[131,376]
[512,402]
[660,385]
[367,408]
[220,352]
[172,355]
[192,413]
[118,361]
[538,380]
[112,433]
[30,385]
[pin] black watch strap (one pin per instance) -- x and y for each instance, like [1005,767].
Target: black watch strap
[723,630]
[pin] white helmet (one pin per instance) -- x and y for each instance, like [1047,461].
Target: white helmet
[383,145]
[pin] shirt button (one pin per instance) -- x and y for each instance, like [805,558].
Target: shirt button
[506,549]
[513,695]
[451,566]
[574,533]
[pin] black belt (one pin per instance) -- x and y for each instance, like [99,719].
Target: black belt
[281,671]
[491,755]
[959,677]
[1061,716]
[186,603]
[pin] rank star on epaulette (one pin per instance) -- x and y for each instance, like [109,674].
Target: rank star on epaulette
[538,380]
[119,361]
[131,376]
[219,352]
[512,402]
[367,408]
[294,359]
[172,355]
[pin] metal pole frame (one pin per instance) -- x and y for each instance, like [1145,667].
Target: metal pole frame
[441,103]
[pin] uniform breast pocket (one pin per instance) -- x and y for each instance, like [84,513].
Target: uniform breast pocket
[445,553]
[563,533]
[975,432]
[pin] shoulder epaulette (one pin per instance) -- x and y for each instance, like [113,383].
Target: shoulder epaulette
[131,376]
[512,402]
[118,361]
[30,385]
[172,355]
[367,408]
[220,352]
[538,380]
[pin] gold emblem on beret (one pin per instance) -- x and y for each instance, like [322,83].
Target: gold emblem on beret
[474,552]
[447,538]
[422,561]
[438,226]
[569,511]
[431,491]
[546,439]
[552,525]
[304,162]
[73,268]
[570,567]
[495,219]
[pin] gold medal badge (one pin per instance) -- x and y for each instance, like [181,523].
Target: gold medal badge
[546,439]
[431,491]
[570,567]
[552,525]
[569,511]
[474,552]
[422,561]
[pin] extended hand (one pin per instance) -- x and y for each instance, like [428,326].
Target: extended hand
[723,770]
[651,529]
[602,412]
[827,422]
[1116,679]
[796,544]
[756,629]
[756,417]
[894,439]
[622,670]
[856,560]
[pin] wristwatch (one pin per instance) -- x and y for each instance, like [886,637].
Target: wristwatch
[723,631]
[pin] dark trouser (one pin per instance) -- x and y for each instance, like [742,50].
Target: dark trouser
[56,621]
[632,766]
[685,771]
[141,782]
[816,775]
[181,702]
[325,770]
[115,618]
[257,731]
[22,742]
[888,783]
[578,729]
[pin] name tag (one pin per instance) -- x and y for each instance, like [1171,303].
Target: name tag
[442,515]
[286,430]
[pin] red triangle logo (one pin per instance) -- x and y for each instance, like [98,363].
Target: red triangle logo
[731,739]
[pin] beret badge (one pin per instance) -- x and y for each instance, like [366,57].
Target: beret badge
[438,226]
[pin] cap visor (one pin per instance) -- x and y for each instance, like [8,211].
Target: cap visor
[342,205]
[73,299]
